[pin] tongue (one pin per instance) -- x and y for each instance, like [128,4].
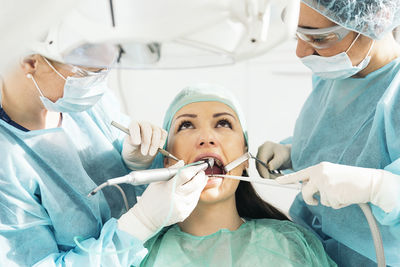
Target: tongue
[214,170]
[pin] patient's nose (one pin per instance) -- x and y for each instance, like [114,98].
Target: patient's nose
[203,143]
[207,140]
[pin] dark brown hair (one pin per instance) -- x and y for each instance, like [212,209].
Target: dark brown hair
[250,205]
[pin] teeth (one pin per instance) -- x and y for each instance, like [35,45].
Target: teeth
[214,161]
[211,162]
[218,162]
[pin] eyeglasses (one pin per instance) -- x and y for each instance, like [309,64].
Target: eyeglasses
[322,38]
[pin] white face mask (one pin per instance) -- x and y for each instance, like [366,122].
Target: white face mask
[80,93]
[336,67]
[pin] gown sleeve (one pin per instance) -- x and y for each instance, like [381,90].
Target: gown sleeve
[389,110]
[112,248]
[29,237]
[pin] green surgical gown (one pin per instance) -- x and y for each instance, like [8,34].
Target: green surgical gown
[259,242]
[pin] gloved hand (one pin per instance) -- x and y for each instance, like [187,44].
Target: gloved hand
[164,203]
[140,148]
[341,185]
[276,156]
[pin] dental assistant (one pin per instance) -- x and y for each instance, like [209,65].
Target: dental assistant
[57,144]
[345,144]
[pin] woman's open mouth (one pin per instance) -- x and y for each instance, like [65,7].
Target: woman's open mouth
[217,168]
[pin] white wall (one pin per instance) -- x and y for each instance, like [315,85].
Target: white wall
[271,90]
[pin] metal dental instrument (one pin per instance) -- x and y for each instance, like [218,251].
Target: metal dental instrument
[271,182]
[264,165]
[126,130]
[230,166]
[148,176]
[245,157]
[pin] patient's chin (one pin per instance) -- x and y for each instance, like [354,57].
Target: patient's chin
[210,195]
[213,193]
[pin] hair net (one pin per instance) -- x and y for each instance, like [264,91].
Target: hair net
[201,93]
[373,18]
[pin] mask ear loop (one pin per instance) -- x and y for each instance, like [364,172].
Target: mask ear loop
[369,50]
[30,76]
[55,70]
[351,45]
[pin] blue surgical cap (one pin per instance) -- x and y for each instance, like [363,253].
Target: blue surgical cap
[200,93]
[373,18]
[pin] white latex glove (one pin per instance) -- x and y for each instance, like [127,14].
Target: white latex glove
[276,156]
[161,200]
[140,148]
[341,185]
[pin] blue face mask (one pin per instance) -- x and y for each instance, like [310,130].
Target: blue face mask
[336,67]
[80,93]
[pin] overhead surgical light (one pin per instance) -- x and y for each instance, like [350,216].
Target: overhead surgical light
[169,33]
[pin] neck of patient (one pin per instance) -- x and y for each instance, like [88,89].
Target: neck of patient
[208,218]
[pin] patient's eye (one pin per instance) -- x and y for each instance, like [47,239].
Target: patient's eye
[224,123]
[185,125]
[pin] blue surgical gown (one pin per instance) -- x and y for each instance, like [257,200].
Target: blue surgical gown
[45,177]
[355,121]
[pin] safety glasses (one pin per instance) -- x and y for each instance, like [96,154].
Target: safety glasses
[80,72]
[92,76]
[322,38]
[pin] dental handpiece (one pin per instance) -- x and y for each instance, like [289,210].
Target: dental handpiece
[149,176]
[153,175]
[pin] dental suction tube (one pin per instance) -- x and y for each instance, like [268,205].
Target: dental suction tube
[376,234]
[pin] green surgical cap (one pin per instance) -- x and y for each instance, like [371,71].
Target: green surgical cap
[200,93]
[373,18]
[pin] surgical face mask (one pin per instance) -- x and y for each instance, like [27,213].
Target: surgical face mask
[80,93]
[336,67]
